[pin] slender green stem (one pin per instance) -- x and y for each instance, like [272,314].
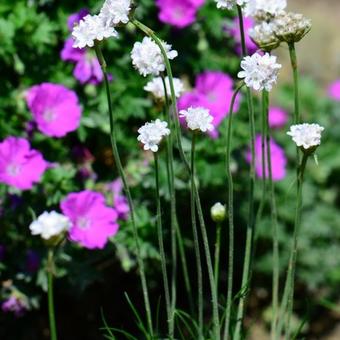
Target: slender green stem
[241,24]
[293,60]
[50,272]
[162,252]
[196,240]
[230,190]
[274,221]
[174,221]
[217,254]
[126,189]
[249,250]
[216,321]
[288,294]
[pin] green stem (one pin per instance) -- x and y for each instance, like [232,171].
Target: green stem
[230,190]
[217,254]
[174,221]
[50,271]
[293,60]
[196,240]
[162,252]
[126,189]
[274,220]
[288,295]
[216,321]
[249,250]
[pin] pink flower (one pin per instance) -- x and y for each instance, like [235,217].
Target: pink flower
[236,33]
[278,159]
[20,166]
[178,13]
[15,304]
[277,117]
[92,221]
[334,90]
[214,91]
[55,109]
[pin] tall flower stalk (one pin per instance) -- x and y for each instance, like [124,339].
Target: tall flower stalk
[121,172]
[216,321]
[251,217]
[50,273]
[230,189]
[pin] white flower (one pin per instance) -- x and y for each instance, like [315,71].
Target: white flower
[306,135]
[272,7]
[116,11]
[259,72]
[89,29]
[229,4]
[147,57]
[151,134]
[264,37]
[156,87]
[198,118]
[218,212]
[50,224]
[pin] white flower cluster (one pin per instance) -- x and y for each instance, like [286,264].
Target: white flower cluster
[259,7]
[50,224]
[263,35]
[198,118]
[260,71]
[151,134]
[229,4]
[147,57]
[99,27]
[306,135]
[156,87]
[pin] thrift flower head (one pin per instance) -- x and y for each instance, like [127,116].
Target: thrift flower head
[278,159]
[90,29]
[147,57]
[307,136]
[55,109]
[264,37]
[74,18]
[260,72]
[151,134]
[214,91]
[218,212]
[156,87]
[229,4]
[277,117]
[198,118]
[178,13]
[20,166]
[50,224]
[16,303]
[92,221]
[259,7]
[115,12]
[334,90]
[291,27]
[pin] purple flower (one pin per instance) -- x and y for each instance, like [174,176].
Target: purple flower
[178,13]
[214,91]
[334,90]
[278,159]
[120,202]
[277,117]
[15,304]
[55,109]
[74,18]
[20,166]
[236,33]
[32,261]
[92,221]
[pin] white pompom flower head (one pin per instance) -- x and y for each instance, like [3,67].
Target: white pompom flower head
[116,12]
[152,133]
[229,4]
[198,118]
[156,87]
[306,136]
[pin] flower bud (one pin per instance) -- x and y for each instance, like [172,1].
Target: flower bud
[264,37]
[218,212]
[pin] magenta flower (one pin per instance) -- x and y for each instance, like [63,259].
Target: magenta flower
[334,90]
[15,304]
[277,117]
[278,159]
[55,109]
[236,34]
[74,18]
[20,166]
[120,202]
[178,13]
[92,221]
[214,91]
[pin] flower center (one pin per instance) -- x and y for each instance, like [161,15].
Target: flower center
[178,13]
[212,97]
[83,223]
[49,115]
[13,169]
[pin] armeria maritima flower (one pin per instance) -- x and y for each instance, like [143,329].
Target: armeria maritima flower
[229,4]
[156,87]
[259,7]
[307,136]
[198,118]
[115,12]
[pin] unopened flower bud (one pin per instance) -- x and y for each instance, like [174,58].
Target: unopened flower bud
[264,37]
[218,212]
